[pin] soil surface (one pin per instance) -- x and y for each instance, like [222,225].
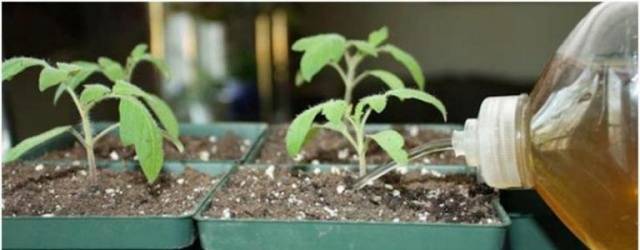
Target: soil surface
[227,147]
[329,147]
[59,191]
[416,196]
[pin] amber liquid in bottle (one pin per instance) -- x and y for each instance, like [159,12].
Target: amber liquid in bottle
[583,152]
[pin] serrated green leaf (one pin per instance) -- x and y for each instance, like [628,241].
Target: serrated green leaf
[128,127]
[378,36]
[69,67]
[307,42]
[31,142]
[50,77]
[334,110]
[127,89]
[376,102]
[112,69]
[14,66]
[158,106]
[164,114]
[392,143]
[139,51]
[409,62]
[392,81]
[319,50]
[93,92]
[403,94]
[174,140]
[76,78]
[365,47]
[300,128]
[137,127]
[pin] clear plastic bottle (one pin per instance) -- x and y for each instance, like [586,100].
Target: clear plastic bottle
[574,140]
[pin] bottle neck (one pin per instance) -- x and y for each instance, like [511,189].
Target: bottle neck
[496,142]
[523,144]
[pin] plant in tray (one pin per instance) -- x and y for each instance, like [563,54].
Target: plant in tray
[137,108]
[342,116]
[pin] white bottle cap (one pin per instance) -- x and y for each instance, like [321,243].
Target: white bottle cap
[491,142]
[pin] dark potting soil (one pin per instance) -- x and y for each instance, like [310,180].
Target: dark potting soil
[227,147]
[60,191]
[416,196]
[331,148]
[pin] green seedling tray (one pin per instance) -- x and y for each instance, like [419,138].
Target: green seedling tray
[440,127]
[245,130]
[308,234]
[109,232]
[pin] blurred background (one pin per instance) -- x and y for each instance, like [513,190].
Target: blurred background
[232,61]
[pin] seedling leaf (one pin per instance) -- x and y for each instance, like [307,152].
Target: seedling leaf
[14,66]
[388,78]
[31,142]
[334,110]
[127,89]
[319,50]
[300,127]
[76,78]
[298,130]
[365,47]
[128,120]
[68,67]
[376,102]
[403,94]
[378,36]
[163,112]
[139,51]
[93,92]
[50,77]
[174,140]
[409,62]
[112,69]
[137,127]
[307,42]
[158,106]
[392,143]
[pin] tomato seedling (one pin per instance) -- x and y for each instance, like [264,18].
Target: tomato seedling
[328,49]
[137,125]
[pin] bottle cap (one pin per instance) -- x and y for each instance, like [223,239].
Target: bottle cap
[491,142]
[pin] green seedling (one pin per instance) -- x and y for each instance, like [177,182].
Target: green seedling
[137,125]
[325,50]
[350,123]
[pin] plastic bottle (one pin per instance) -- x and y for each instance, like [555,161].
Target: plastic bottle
[574,140]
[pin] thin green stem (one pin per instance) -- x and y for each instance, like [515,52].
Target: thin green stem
[365,117]
[361,147]
[88,137]
[348,92]
[350,82]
